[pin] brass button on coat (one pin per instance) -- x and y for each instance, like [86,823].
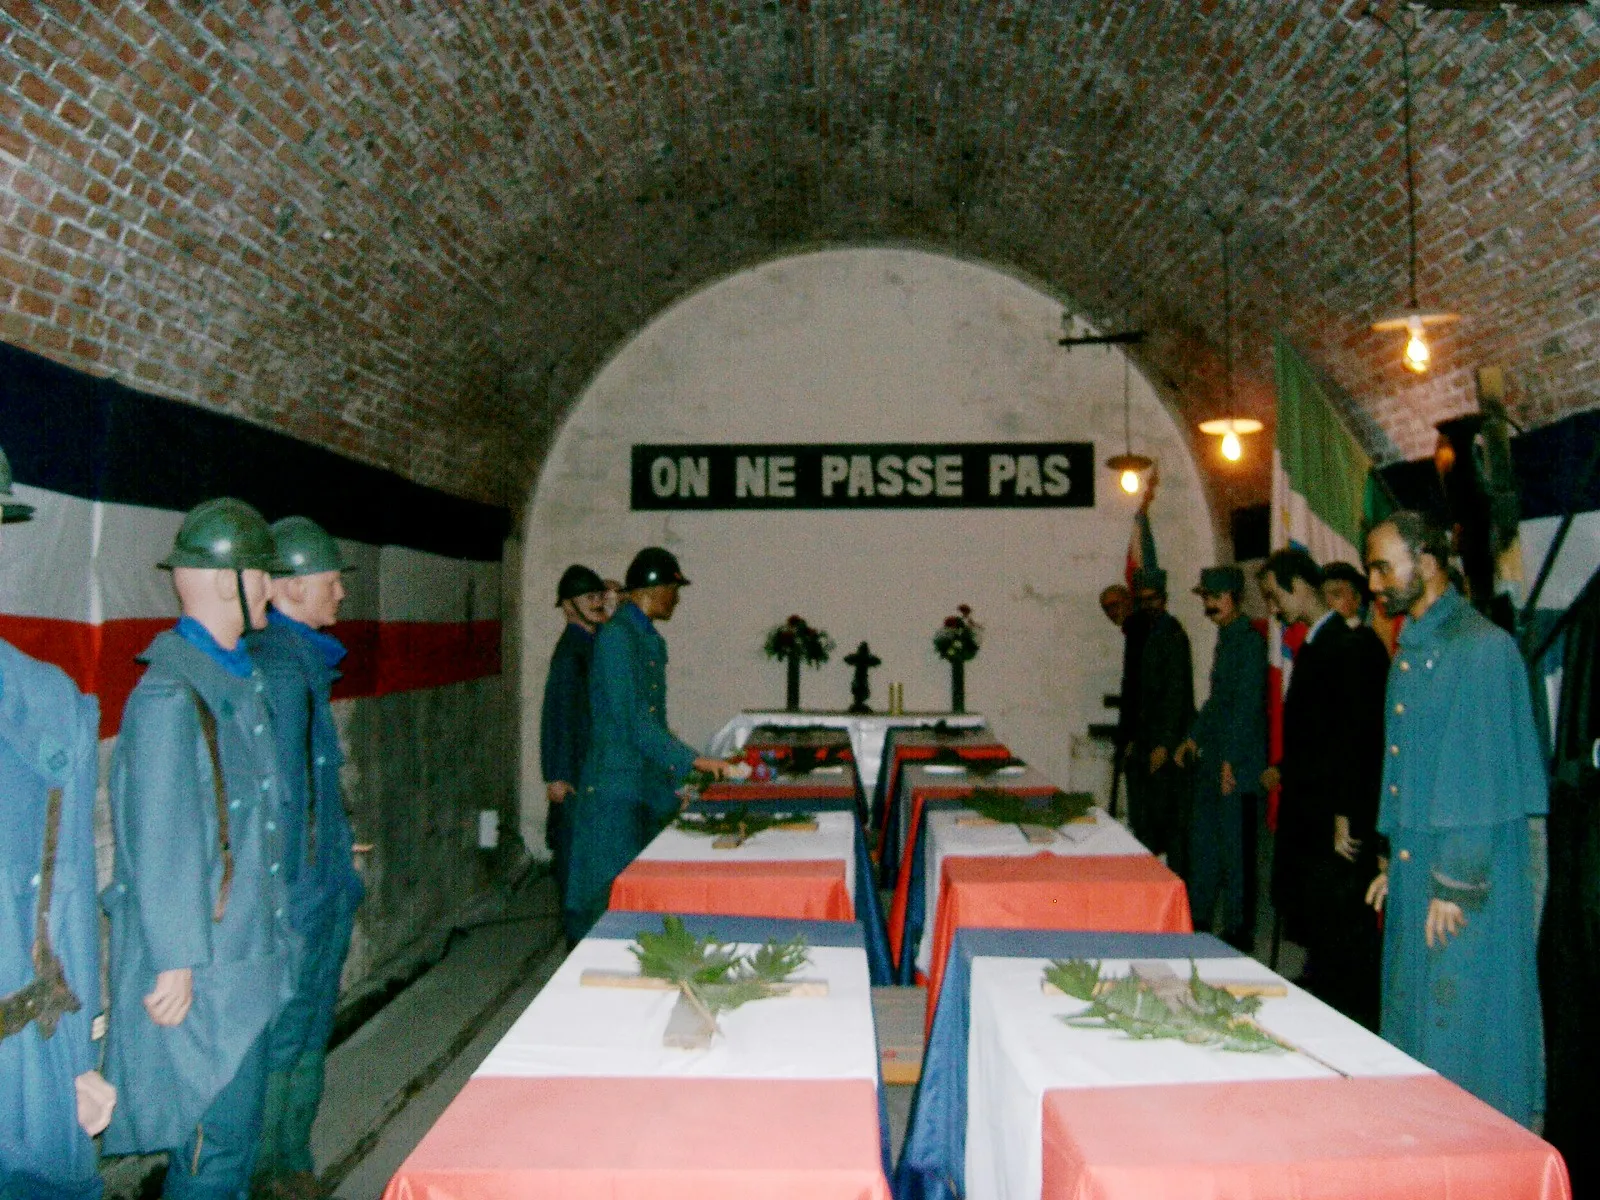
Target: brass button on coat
[1405,856]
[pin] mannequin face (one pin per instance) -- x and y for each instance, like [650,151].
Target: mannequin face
[588,610]
[312,600]
[658,602]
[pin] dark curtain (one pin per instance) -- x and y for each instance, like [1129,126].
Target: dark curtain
[1569,946]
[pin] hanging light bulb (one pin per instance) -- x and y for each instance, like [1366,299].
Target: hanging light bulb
[1230,427]
[1414,318]
[1128,465]
[1416,355]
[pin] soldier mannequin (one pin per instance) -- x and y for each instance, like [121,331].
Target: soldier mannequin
[635,763]
[1228,746]
[299,662]
[202,953]
[52,1101]
[582,597]
[1159,719]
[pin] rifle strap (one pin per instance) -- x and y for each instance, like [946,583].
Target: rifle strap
[208,731]
[48,996]
[47,877]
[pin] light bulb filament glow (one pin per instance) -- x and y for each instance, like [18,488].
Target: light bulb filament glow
[1130,481]
[1232,450]
[1416,353]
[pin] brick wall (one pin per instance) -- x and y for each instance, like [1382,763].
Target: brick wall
[412,231]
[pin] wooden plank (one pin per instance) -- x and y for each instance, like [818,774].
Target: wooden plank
[595,977]
[687,1028]
[1237,988]
[732,841]
[898,1013]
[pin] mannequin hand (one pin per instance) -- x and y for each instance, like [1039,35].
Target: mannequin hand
[168,1004]
[1228,781]
[1271,778]
[1185,750]
[96,1099]
[1378,891]
[1345,846]
[557,791]
[717,767]
[1445,920]
[1158,759]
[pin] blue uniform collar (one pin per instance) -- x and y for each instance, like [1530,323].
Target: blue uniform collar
[634,613]
[234,662]
[580,631]
[1429,623]
[329,648]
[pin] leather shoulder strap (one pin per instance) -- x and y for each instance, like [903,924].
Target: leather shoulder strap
[208,731]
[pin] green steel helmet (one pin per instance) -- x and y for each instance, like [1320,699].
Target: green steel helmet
[11,509]
[652,566]
[306,548]
[578,580]
[223,534]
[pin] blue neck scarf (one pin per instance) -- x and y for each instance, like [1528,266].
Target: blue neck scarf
[329,648]
[234,662]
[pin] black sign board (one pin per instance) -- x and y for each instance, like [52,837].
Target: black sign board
[891,475]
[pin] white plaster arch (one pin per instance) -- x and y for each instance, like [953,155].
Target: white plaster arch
[866,345]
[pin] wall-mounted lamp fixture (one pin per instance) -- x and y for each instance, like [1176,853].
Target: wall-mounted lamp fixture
[1130,467]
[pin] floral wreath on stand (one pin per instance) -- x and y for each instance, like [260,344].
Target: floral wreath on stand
[796,638]
[958,639]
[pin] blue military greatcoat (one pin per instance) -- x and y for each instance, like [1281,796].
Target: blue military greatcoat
[1463,771]
[633,768]
[564,735]
[48,740]
[299,667]
[166,884]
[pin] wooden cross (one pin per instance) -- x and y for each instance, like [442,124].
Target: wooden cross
[1036,835]
[1173,989]
[732,841]
[690,1026]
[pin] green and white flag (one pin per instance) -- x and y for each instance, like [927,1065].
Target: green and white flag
[1319,471]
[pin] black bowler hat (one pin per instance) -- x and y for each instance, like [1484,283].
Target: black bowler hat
[653,566]
[577,580]
[1348,573]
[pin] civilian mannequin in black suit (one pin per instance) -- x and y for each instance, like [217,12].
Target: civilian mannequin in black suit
[1330,774]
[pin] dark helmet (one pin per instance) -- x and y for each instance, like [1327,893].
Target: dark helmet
[652,566]
[11,509]
[223,534]
[306,548]
[577,580]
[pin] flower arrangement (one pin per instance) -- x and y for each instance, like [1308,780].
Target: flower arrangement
[795,639]
[958,639]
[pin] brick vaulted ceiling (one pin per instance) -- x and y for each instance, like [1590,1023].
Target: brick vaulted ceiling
[413,229]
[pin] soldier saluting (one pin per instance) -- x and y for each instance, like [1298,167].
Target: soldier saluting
[202,952]
[627,789]
[52,1100]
